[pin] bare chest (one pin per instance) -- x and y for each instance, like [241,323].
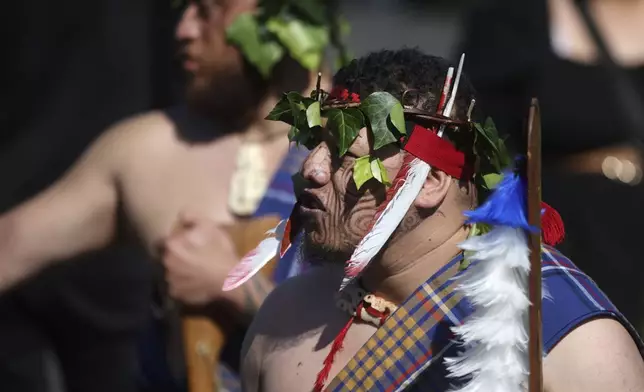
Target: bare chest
[195,178]
[294,365]
[157,188]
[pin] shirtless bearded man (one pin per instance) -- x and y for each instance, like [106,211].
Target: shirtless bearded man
[390,327]
[162,170]
[165,176]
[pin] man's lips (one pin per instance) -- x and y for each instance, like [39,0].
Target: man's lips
[310,201]
[190,65]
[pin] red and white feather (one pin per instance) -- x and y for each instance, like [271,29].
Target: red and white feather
[406,186]
[256,259]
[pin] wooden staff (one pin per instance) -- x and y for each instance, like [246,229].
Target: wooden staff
[535,346]
[203,339]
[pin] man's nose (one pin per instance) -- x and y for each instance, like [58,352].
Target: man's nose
[317,166]
[188,27]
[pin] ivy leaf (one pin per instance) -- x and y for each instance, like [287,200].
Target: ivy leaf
[313,114]
[244,33]
[491,180]
[345,124]
[377,108]
[298,110]
[305,42]
[362,171]
[379,172]
[397,117]
[282,111]
[489,138]
[504,156]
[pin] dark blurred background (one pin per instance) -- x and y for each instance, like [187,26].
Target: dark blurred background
[70,68]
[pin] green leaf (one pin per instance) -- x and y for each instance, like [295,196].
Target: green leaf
[377,108]
[362,171]
[504,155]
[379,171]
[313,114]
[397,117]
[281,111]
[298,110]
[244,32]
[489,138]
[305,42]
[345,124]
[492,179]
[292,134]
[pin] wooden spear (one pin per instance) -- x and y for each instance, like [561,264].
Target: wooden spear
[535,346]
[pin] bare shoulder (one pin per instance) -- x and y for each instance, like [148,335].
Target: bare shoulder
[142,128]
[135,137]
[286,301]
[277,319]
[599,355]
[286,312]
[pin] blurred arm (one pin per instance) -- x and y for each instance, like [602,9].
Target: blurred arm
[75,215]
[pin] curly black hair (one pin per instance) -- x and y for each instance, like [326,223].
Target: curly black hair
[397,71]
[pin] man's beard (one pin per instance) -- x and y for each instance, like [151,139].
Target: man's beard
[319,254]
[229,96]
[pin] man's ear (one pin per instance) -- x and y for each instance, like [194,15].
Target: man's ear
[434,190]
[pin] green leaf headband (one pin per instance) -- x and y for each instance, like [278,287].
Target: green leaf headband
[303,28]
[385,117]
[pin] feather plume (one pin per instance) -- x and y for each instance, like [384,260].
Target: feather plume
[256,259]
[388,221]
[495,335]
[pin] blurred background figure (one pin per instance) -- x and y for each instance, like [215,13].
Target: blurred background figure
[69,69]
[76,67]
[584,60]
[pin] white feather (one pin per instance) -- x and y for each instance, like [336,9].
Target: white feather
[495,335]
[388,221]
[256,259]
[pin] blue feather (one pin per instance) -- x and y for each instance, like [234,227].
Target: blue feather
[506,206]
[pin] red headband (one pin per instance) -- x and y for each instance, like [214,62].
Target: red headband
[437,152]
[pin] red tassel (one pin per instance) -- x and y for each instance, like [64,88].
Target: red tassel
[552,227]
[336,347]
[286,240]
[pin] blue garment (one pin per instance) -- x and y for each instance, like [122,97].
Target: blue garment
[408,350]
[280,199]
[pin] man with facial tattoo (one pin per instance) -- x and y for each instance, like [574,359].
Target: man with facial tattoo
[393,325]
[173,179]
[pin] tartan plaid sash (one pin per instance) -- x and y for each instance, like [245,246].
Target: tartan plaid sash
[405,345]
[406,352]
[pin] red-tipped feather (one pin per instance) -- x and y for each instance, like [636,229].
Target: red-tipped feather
[552,226]
[291,230]
[286,240]
[398,181]
[388,217]
[353,270]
